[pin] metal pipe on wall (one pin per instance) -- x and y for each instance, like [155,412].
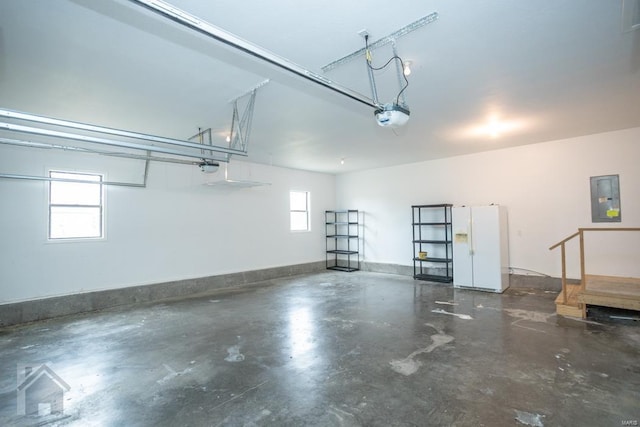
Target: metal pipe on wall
[112,183]
[47,178]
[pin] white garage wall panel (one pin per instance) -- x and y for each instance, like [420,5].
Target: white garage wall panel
[545,188]
[176,228]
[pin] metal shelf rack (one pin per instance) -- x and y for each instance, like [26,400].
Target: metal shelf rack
[342,240]
[432,243]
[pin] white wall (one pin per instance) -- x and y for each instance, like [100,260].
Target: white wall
[545,188]
[176,228]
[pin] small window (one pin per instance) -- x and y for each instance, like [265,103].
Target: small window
[299,210]
[75,208]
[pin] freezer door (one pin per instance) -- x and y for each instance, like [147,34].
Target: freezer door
[462,240]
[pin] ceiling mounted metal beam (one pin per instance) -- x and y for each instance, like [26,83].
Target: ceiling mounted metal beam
[391,38]
[190,21]
[68,124]
[83,150]
[104,141]
[126,139]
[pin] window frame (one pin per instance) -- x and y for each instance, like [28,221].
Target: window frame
[307,211]
[101,205]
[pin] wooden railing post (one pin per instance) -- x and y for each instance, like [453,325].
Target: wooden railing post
[582,269]
[564,275]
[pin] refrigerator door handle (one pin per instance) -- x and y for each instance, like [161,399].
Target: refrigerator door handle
[470,228]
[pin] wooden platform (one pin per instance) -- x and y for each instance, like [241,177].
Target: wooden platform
[610,291]
[606,291]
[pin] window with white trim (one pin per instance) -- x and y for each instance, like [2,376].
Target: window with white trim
[299,210]
[75,208]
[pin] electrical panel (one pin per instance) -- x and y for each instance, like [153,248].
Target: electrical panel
[605,199]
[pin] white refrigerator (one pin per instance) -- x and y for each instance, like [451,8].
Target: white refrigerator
[480,247]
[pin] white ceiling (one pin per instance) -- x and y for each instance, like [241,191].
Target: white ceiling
[540,70]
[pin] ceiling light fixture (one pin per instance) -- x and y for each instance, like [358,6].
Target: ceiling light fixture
[407,68]
[493,126]
[496,127]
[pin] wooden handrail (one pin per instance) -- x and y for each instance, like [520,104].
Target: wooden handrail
[565,240]
[580,233]
[593,229]
[611,229]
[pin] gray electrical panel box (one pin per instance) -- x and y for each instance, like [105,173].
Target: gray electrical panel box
[605,199]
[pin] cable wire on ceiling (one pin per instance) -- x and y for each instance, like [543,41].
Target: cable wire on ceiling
[394,57]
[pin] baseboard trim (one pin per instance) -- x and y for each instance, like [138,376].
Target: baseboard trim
[379,267]
[547,283]
[48,308]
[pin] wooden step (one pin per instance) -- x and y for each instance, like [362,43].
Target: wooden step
[611,291]
[573,307]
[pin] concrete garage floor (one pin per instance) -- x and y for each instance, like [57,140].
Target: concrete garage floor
[333,349]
